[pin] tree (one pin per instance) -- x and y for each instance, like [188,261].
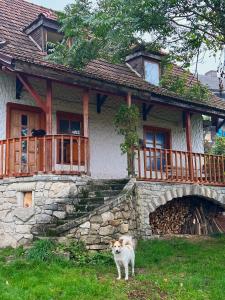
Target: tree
[113,27]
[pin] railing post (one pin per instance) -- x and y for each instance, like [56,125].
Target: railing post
[86,97]
[189,143]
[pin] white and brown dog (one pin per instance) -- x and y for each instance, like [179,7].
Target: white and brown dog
[123,252]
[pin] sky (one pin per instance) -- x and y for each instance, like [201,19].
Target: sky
[206,64]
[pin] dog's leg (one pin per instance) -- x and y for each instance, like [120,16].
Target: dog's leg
[119,271]
[126,270]
[132,265]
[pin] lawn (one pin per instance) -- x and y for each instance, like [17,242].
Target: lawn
[165,269]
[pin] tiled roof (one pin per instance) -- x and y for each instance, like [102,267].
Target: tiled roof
[15,15]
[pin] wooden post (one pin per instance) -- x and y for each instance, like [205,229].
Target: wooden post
[129,96]
[49,107]
[86,97]
[189,142]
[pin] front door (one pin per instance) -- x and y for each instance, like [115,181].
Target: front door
[24,153]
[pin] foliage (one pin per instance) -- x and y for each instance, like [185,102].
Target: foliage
[165,269]
[41,250]
[126,123]
[219,146]
[111,28]
[180,85]
[81,256]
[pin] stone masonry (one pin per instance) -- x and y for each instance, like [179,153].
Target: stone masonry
[53,198]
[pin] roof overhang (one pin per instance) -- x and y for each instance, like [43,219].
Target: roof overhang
[86,81]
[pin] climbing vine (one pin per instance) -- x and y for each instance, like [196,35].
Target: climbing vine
[126,123]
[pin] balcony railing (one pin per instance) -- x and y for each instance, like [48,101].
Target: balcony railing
[51,154]
[179,166]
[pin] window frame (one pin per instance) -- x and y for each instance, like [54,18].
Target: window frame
[71,117]
[155,130]
[145,73]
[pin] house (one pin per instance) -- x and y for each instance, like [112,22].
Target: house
[43,175]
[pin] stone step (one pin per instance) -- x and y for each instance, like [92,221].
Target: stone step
[86,207]
[105,193]
[98,200]
[103,187]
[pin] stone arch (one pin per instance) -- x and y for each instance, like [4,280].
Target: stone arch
[212,194]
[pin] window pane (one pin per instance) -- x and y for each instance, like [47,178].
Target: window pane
[160,140]
[152,72]
[75,127]
[149,140]
[64,126]
[24,131]
[24,120]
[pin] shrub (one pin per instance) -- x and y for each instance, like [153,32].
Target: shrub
[42,250]
[219,146]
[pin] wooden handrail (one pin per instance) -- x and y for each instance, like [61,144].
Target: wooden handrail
[51,154]
[180,166]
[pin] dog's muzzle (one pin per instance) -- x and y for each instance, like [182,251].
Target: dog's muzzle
[117,251]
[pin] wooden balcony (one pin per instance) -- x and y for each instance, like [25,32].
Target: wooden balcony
[51,154]
[179,166]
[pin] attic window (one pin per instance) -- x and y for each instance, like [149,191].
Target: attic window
[42,31]
[151,72]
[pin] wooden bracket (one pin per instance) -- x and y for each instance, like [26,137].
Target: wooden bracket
[100,101]
[19,88]
[146,110]
[23,79]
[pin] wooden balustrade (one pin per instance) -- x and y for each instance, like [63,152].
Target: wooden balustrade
[179,166]
[53,154]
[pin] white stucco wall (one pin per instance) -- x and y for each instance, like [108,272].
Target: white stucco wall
[105,155]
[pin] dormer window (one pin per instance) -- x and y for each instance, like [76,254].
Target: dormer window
[44,30]
[146,65]
[151,72]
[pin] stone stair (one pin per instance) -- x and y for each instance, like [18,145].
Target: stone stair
[91,196]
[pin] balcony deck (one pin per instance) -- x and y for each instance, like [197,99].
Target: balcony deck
[51,154]
[179,166]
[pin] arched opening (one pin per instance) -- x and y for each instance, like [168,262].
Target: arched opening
[195,215]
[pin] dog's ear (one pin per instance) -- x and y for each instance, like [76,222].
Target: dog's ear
[111,243]
[121,241]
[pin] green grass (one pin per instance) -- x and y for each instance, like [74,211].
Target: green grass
[173,269]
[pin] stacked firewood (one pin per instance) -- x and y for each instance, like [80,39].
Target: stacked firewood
[189,215]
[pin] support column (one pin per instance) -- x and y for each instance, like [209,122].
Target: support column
[129,100]
[86,97]
[189,143]
[49,107]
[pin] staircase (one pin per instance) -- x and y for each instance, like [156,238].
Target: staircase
[95,194]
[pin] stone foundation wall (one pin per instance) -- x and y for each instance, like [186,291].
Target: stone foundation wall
[151,195]
[116,218]
[52,198]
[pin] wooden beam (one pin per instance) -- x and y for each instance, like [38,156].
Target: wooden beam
[32,92]
[129,99]
[100,101]
[189,143]
[86,97]
[146,110]
[49,107]
[188,131]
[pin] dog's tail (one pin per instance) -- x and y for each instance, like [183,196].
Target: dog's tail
[128,240]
